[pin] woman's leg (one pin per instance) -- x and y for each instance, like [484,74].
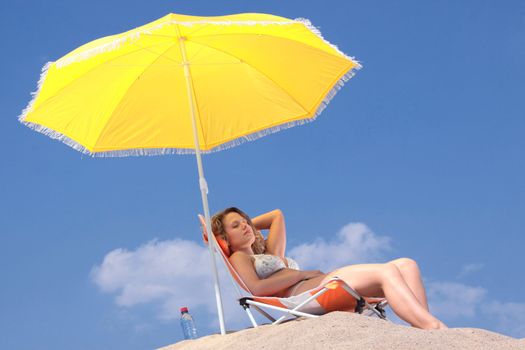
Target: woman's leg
[410,272]
[386,280]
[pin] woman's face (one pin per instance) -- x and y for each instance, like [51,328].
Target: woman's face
[240,233]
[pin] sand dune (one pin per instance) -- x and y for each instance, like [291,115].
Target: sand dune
[341,330]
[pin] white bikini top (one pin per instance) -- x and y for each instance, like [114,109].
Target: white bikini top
[266,264]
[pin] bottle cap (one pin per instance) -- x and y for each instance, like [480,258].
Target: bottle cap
[184,309]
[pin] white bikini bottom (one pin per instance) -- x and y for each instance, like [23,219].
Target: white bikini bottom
[292,292]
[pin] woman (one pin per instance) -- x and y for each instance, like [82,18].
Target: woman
[267,272]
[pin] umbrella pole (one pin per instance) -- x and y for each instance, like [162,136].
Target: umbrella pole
[211,241]
[203,185]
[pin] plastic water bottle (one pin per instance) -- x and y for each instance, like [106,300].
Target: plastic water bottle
[187,324]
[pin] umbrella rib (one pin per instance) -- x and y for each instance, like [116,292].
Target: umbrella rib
[134,81]
[288,39]
[253,67]
[171,36]
[145,48]
[43,103]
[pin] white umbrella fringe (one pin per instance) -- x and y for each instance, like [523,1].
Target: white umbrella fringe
[164,151]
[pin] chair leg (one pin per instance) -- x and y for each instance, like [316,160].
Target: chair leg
[250,316]
[380,307]
[281,309]
[268,316]
[377,310]
[281,319]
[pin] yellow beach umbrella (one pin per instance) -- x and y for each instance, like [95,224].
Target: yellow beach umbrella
[185,84]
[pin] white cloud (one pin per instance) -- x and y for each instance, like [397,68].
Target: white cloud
[158,271]
[509,317]
[450,300]
[168,274]
[354,243]
[469,269]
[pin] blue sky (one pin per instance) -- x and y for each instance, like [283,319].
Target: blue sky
[419,155]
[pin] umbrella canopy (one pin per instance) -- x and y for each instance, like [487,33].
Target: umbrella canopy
[126,94]
[185,84]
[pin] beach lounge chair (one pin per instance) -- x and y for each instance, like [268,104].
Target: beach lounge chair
[334,295]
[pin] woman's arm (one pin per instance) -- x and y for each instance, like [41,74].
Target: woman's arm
[272,285]
[273,221]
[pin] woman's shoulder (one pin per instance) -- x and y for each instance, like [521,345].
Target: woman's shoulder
[240,256]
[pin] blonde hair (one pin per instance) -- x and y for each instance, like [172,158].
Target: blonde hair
[217,227]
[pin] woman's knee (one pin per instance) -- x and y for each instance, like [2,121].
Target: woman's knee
[390,271]
[404,264]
